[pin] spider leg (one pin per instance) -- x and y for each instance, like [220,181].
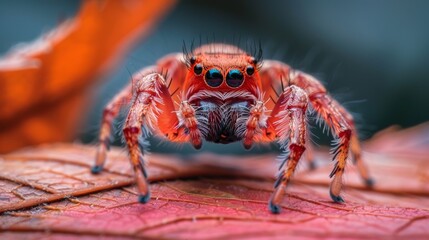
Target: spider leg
[328,110]
[309,153]
[355,148]
[336,117]
[257,113]
[151,99]
[360,164]
[342,125]
[110,112]
[289,120]
[187,115]
[174,64]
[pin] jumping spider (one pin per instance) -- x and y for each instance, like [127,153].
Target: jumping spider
[227,95]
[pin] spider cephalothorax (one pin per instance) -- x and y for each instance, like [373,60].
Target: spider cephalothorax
[221,85]
[227,95]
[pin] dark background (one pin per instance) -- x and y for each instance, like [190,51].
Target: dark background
[372,55]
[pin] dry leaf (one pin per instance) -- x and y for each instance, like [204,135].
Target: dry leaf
[45,84]
[49,191]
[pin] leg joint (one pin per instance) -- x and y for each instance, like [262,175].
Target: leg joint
[149,82]
[130,131]
[297,149]
[345,133]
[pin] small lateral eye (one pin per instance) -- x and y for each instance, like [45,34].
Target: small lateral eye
[192,60]
[250,70]
[198,69]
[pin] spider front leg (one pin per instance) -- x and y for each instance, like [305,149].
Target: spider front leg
[289,120]
[189,122]
[151,99]
[110,112]
[172,64]
[253,123]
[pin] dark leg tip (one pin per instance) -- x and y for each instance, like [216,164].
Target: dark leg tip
[369,182]
[198,146]
[144,198]
[247,146]
[312,165]
[274,208]
[337,199]
[96,169]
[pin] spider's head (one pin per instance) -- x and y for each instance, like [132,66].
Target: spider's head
[221,68]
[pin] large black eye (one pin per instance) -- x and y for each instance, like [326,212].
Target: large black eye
[234,78]
[198,69]
[214,77]
[250,70]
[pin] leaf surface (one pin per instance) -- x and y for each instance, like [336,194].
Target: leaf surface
[49,191]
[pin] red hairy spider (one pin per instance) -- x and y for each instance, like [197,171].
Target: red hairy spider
[227,95]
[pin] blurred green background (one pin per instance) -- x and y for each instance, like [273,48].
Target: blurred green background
[373,56]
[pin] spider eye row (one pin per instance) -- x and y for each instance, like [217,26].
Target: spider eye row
[214,78]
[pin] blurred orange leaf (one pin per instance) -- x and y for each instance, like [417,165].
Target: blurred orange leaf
[45,84]
[49,192]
